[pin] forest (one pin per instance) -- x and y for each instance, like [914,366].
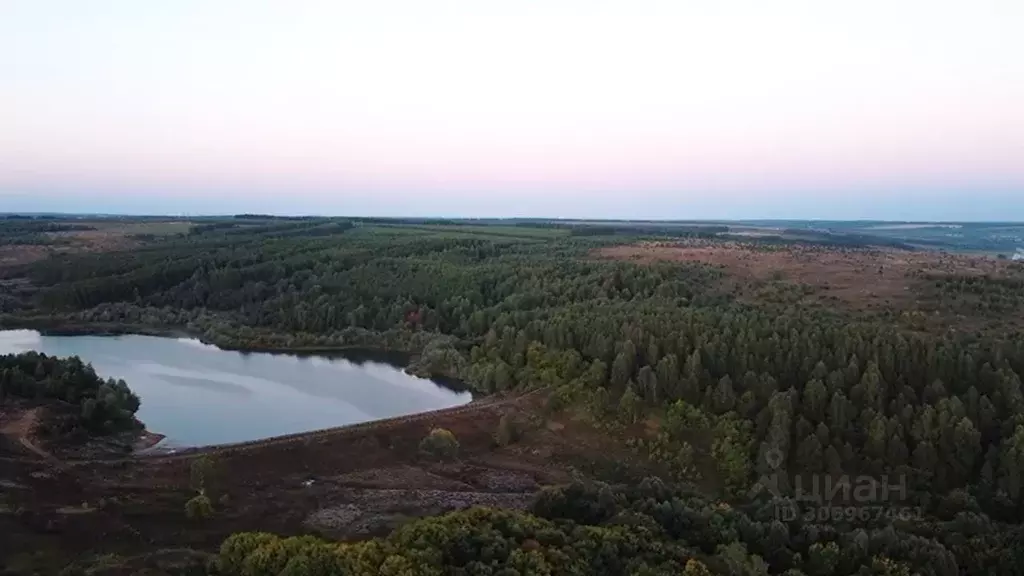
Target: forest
[738,389]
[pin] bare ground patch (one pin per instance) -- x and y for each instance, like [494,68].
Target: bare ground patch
[18,254]
[20,426]
[114,235]
[101,236]
[376,512]
[863,278]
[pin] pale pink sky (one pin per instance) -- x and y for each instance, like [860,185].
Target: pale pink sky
[675,109]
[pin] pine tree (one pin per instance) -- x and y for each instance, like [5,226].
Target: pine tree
[648,385]
[621,372]
[693,376]
[667,372]
[967,443]
[630,405]
[815,401]
[723,397]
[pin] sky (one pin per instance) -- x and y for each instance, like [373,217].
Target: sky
[881,109]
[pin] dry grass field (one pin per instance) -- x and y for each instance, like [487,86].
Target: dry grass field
[919,287]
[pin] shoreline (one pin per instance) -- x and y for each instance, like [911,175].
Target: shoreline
[147,442]
[111,329]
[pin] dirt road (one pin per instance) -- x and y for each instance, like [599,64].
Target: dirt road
[20,429]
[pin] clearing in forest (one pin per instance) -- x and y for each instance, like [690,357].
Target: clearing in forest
[864,278]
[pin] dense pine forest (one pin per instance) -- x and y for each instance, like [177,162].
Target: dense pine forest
[751,389]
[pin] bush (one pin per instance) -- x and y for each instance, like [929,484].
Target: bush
[235,549]
[507,432]
[201,473]
[440,444]
[199,508]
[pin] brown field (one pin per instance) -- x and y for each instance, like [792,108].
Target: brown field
[116,235]
[861,278]
[109,235]
[344,483]
[22,254]
[128,228]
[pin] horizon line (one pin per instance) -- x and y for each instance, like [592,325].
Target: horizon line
[484,218]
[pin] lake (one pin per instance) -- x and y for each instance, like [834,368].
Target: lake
[197,394]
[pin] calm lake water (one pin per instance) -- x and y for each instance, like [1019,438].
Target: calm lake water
[197,394]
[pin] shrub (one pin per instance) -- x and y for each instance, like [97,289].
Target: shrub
[440,444]
[201,472]
[235,549]
[507,432]
[199,508]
